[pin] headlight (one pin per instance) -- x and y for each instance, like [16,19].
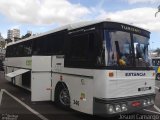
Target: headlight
[148,101]
[118,108]
[124,107]
[111,109]
[145,102]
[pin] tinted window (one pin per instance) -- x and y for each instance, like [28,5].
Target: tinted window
[81,51]
[27,48]
[19,49]
[79,45]
[51,44]
[39,46]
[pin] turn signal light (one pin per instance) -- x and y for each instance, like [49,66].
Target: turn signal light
[111,74]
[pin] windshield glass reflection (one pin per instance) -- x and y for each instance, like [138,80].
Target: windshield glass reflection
[124,51]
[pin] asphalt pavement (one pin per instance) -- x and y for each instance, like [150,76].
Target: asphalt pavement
[16,104]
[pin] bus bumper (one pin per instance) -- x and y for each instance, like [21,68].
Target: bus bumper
[125,105]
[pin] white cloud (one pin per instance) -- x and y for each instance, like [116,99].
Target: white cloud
[42,11]
[142,1]
[143,17]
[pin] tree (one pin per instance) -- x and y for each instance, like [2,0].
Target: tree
[157,11]
[16,39]
[26,35]
[158,51]
[2,44]
[8,40]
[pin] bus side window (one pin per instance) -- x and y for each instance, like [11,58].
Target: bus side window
[81,51]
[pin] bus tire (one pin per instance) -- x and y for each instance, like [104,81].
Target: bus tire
[62,97]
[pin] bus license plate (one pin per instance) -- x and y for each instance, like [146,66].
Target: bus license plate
[144,88]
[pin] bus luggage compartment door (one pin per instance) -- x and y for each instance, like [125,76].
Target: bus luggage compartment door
[41,87]
[41,78]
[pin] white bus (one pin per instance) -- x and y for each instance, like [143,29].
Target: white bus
[98,67]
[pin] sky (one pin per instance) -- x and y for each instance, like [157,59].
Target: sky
[41,16]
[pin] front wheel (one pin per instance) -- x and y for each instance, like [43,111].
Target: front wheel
[63,98]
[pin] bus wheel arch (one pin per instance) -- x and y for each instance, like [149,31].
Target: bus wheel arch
[61,95]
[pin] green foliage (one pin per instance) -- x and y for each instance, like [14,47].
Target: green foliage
[2,44]
[26,36]
[158,51]
[8,40]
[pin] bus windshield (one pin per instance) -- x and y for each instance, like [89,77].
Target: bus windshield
[126,49]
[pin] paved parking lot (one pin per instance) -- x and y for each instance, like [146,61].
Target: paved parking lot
[16,105]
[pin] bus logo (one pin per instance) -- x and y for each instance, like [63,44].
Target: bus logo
[128,28]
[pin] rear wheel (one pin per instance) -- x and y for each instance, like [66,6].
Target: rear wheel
[63,97]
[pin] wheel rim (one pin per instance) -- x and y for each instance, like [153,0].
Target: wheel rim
[64,97]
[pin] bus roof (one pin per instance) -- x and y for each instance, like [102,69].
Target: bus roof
[71,27]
